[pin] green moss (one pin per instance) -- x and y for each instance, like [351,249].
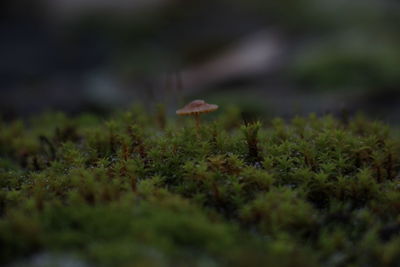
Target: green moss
[146,191]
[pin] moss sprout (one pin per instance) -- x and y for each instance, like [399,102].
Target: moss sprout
[143,190]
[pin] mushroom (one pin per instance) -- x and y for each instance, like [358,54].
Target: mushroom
[195,108]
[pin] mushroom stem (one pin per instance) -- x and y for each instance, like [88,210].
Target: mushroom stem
[197,118]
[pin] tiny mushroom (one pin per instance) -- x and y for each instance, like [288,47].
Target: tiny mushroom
[195,108]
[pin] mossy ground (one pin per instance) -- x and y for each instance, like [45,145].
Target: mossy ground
[140,190]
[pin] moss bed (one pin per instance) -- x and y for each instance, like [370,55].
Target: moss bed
[139,190]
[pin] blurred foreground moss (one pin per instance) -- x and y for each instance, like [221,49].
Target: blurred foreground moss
[133,192]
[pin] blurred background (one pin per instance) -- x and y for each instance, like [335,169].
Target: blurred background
[271,58]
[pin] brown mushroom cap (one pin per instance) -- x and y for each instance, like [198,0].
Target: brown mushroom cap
[196,107]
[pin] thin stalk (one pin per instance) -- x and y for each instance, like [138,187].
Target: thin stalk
[197,118]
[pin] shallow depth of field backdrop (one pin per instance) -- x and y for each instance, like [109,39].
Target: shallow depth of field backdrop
[272,58]
[300,166]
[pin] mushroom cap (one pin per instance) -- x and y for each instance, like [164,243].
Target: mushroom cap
[196,107]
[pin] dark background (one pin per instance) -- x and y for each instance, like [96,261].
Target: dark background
[269,57]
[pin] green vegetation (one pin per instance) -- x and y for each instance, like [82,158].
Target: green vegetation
[140,190]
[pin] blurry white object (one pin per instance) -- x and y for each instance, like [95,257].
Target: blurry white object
[256,54]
